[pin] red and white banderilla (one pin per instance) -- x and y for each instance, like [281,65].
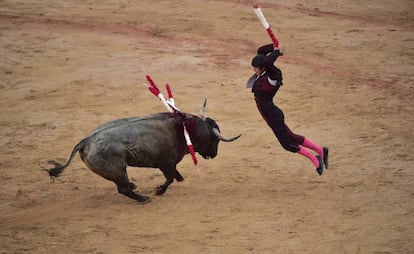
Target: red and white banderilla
[170,105]
[265,24]
[170,95]
[155,91]
[186,135]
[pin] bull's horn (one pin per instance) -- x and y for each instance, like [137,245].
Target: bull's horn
[218,134]
[202,110]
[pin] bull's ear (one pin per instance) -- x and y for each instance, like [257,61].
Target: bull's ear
[202,110]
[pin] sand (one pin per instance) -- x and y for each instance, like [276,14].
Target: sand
[67,67]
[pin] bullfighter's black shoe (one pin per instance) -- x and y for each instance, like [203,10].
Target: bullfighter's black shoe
[320,168]
[325,156]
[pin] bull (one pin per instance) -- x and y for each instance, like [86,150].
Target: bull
[153,141]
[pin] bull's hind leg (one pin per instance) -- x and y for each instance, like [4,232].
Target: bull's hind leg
[126,188]
[116,172]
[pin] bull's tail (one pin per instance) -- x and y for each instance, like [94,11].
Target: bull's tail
[58,169]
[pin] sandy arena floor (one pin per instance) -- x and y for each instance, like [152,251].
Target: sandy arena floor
[67,67]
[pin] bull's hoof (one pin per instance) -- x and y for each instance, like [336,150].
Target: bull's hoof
[141,199]
[179,178]
[132,186]
[144,200]
[160,190]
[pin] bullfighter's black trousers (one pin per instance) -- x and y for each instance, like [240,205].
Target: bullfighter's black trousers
[275,118]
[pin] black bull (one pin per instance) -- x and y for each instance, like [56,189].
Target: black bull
[155,141]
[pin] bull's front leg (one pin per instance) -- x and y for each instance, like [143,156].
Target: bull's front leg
[178,176]
[170,173]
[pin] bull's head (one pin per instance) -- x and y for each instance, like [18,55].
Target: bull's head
[209,136]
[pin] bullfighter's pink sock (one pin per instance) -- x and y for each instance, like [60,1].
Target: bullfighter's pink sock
[303,151]
[309,144]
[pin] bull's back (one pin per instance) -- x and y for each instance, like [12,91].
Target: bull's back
[139,140]
[124,129]
[130,121]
